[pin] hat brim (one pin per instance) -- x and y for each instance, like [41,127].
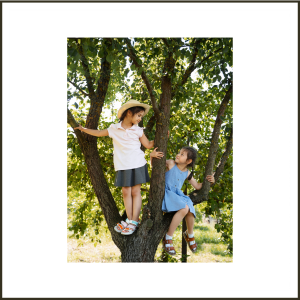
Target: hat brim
[129,105]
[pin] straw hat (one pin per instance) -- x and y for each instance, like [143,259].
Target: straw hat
[132,103]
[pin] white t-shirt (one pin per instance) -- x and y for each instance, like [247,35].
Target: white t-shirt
[127,152]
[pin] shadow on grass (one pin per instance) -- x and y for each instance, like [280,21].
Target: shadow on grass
[203,228]
[206,239]
[220,252]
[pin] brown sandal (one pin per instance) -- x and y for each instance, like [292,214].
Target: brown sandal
[193,247]
[168,249]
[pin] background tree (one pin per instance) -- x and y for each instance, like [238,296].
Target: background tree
[196,110]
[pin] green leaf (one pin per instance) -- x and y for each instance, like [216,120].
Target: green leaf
[109,58]
[141,69]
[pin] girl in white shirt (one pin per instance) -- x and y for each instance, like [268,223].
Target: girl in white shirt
[129,160]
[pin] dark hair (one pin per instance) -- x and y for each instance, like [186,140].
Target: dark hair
[134,110]
[191,154]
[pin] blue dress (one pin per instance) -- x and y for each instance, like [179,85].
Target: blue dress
[174,198]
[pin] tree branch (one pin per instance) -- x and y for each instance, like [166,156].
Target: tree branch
[86,70]
[105,72]
[165,42]
[75,85]
[202,195]
[191,68]
[198,64]
[224,157]
[99,183]
[148,128]
[97,102]
[144,77]
[149,125]
[72,122]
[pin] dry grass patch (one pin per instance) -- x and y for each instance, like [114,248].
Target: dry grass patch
[210,249]
[86,252]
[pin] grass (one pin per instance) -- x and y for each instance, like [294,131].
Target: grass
[210,248]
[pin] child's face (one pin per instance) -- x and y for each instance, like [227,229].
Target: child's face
[137,117]
[181,158]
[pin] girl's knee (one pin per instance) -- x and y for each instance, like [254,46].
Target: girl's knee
[136,190]
[186,209]
[126,190]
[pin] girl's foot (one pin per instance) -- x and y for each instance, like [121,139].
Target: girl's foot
[130,229]
[190,239]
[168,245]
[121,226]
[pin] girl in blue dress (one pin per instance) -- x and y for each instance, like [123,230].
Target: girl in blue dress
[175,200]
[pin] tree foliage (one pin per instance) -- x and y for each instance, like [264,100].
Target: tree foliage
[199,73]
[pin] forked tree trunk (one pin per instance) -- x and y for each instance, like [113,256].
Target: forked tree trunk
[141,246]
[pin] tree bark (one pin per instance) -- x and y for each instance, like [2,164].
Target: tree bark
[224,157]
[142,245]
[202,195]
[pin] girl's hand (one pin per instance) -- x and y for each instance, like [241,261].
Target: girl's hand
[210,178]
[79,127]
[156,154]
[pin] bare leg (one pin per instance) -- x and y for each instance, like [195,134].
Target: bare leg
[127,201]
[136,202]
[177,218]
[190,220]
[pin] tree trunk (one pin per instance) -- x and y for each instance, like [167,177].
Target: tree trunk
[142,245]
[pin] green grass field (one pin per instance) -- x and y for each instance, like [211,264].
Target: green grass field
[210,248]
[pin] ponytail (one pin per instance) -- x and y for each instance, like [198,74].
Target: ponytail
[191,154]
[191,174]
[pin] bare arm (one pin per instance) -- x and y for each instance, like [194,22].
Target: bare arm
[198,185]
[93,132]
[146,143]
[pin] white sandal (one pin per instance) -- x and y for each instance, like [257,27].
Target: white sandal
[119,227]
[130,229]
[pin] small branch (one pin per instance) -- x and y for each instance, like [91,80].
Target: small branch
[72,122]
[148,128]
[104,74]
[215,140]
[75,85]
[206,58]
[149,125]
[165,42]
[86,69]
[144,77]
[202,195]
[191,68]
[224,157]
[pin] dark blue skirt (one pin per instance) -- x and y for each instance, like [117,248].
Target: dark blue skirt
[132,177]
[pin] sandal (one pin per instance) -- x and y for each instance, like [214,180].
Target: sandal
[193,247]
[168,249]
[119,227]
[130,229]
